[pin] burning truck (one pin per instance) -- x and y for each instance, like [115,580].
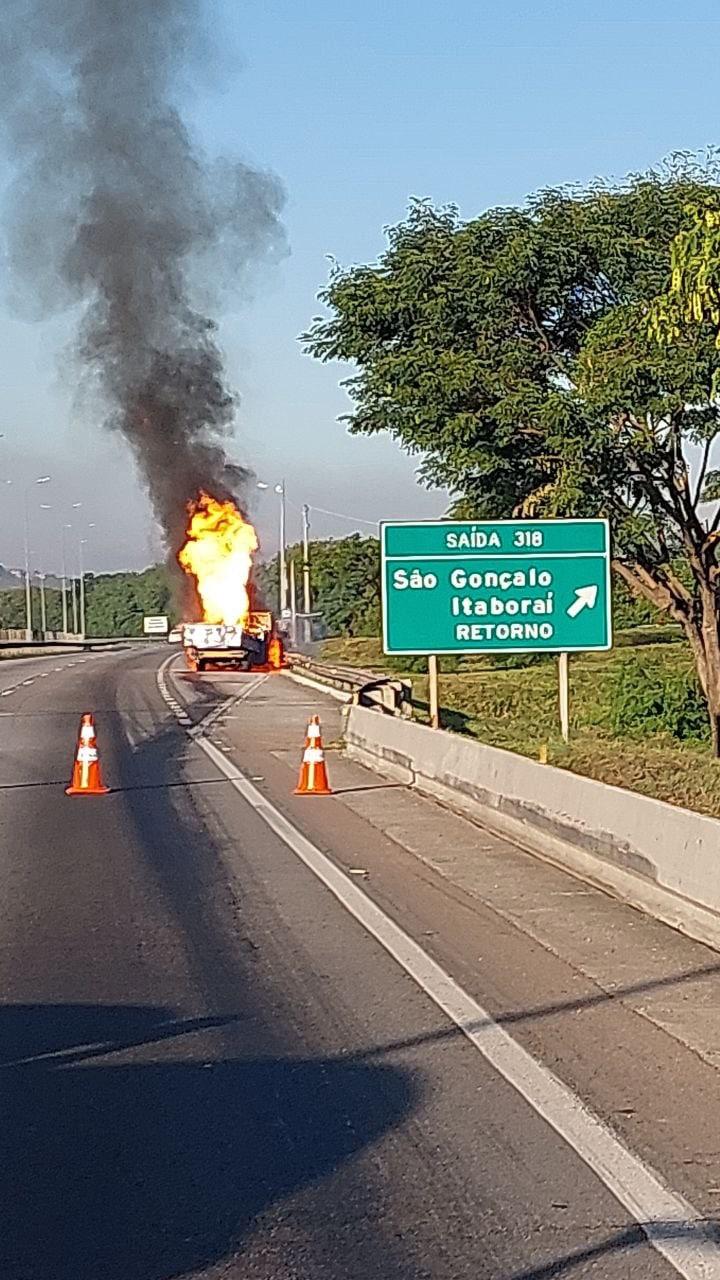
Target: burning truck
[249,647]
[218,555]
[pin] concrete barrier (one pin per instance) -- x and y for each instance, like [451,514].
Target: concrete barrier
[660,858]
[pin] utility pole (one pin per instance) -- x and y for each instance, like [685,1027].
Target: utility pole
[306,572]
[43,614]
[82,589]
[280,488]
[64,584]
[28,587]
[293,604]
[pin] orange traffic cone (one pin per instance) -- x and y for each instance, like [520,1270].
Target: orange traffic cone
[86,780]
[313,780]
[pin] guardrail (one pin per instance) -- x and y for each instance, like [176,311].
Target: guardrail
[388,694]
[58,640]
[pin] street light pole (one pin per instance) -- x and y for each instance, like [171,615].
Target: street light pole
[280,488]
[43,614]
[82,587]
[282,548]
[64,584]
[28,589]
[306,572]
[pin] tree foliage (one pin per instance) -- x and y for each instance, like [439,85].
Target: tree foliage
[559,358]
[345,578]
[115,603]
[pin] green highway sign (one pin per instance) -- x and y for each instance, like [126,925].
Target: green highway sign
[497,587]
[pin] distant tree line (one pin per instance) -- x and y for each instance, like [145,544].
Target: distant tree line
[345,583]
[115,603]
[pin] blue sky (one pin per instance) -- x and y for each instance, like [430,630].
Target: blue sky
[357,107]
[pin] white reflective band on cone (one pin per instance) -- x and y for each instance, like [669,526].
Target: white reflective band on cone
[313,731]
[87,732]
[86,755]
[313,755]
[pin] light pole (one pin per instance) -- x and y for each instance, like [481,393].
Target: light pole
[75,507]
[81,544]
[28,587]
[43,614]
[282,547]
[74,593]
[306,572]
[64,582]
[280,489]
[48,506]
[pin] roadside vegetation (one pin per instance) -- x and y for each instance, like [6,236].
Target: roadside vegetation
[559,359]
[637,717]
[115,603]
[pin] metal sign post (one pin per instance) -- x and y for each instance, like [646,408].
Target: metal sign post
[564,692]
[433,691]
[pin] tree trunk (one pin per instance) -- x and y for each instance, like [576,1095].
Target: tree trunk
[709,665]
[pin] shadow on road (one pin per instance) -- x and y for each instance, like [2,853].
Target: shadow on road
[702,1234]
[164,825]
[158,1164]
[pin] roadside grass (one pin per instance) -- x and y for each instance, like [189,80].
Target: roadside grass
[516,708]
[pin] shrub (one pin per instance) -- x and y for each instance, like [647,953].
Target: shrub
[648,697]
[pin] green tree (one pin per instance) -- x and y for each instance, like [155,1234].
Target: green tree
[345,582]
[517,354]
[117,602]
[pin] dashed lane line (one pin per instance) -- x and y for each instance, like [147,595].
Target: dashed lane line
[180,712]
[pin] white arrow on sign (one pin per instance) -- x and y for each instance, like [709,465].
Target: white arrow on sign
[585,598]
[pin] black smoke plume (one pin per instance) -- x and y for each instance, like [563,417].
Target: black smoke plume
[113,209]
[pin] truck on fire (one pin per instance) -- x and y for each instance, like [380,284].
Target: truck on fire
[242,647]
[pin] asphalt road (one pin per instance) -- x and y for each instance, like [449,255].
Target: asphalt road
[209,1068]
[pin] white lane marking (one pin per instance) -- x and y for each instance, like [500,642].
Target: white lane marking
[181,712]
[30,681]
[673,1226]
[219,711]
[44,675]
[57,668]
[6,692]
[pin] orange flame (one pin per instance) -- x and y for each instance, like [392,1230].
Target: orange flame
[218,553]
